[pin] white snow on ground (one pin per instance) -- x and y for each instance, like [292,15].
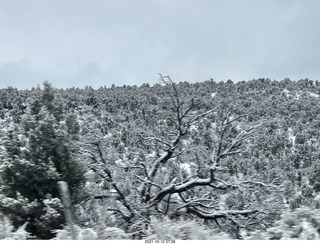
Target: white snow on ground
[293,95]
[193,127]
[189,168]
[214,125]
[313,94]
[213,94]
[152,155]
[108,135]
[286,92]
[119,163]
[297,95]
[186,167]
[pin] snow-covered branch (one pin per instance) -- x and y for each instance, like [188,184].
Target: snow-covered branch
[178,188]
[219,214]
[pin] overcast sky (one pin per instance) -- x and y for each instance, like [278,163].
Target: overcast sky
[103,42]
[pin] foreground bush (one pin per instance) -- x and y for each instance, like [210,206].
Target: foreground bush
[181,230]
[7,230]
[97,233]
[301,224]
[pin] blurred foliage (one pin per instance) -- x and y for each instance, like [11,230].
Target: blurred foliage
[97,233]
[301,224]
[166,229]
[8,232]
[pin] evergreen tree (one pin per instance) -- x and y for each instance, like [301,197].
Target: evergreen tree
[36,157]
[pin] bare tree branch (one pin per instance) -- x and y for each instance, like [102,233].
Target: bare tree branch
[122,198]
[149,182]
[178,188]
[220,214]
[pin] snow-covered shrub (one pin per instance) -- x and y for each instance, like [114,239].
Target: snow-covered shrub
[112,233]
[87,234]
[7,230]
[180,230]
[65,233]
[301,224]
[97,233]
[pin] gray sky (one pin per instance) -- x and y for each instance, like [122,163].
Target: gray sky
[104,42]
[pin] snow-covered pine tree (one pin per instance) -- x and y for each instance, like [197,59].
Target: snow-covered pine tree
[37,156]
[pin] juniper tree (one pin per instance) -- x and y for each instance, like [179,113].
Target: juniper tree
[38,155]
[167,169]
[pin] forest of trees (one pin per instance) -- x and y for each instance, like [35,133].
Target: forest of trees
[207,160]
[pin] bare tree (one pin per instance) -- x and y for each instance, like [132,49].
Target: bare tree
[157,185]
